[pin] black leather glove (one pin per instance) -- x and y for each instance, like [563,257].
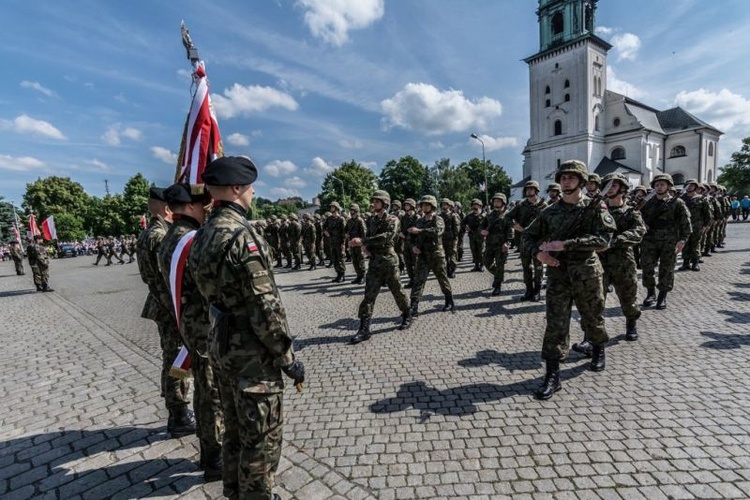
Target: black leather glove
[295,371]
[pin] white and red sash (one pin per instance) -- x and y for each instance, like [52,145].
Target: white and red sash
[181,364]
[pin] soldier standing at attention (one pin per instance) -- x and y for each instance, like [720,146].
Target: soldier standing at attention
[294,231]
[565,237]
[356,230]
[39,262]
[317,222]
[523,214]
[335,230]
[553,193]
[427,245]
[459,213]
[284,241]
[593,186]
[668,222]
[498,230]
[473,224]
[249,343]
[186,203]
[408,220]
[181,421]
[271,233]
[700,222]
[308,240]
[450,235]
[381,232]
[17,255]
[399,244]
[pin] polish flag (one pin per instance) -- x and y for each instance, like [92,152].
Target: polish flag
[181,364]
[48,228]
[33,229]
[144,222]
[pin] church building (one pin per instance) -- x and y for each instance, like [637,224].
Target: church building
[574,116]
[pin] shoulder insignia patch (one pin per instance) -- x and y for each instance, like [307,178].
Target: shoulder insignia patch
[252,246]
[609,218]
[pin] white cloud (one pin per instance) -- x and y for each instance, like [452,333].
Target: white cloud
[20,164]
[424,108]
[319,167]
[621,86]
[295,182]
[369,164]
[724,110]
[353,144]
[331,20]
[284,192]
[240,100]
[38,87]
[436,145]
[164,155]
[132,133]
[184,75]
[626,45]
[495,143]
[114,134]
[237,139]
[24,124]
[604,30]
[280,167]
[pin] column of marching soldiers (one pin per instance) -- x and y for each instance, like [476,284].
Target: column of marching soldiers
[585,240]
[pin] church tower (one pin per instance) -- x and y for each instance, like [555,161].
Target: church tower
[567,80]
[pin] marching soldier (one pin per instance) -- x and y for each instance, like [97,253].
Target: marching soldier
[472,223]
[450,235]
[308,240]
[523,214]
[355,229]
[335,230]
[498,231]
[16,253]
[112,251]
[249,344]
[593,186]
[318,223]
[399,243]
[294,233]
[459,213]
[700,222]
[39,263]
[271,233]
[408,220]
[553,193]
[101,250]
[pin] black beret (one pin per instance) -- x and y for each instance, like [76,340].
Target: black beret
[184,193]
[156,193]
[230,171]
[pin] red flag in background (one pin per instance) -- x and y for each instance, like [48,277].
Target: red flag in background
[17,233]
[33,229]
[144,222]
[48,228]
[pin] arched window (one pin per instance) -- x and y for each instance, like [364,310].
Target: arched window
[677,151]
[618,153]
[596,123]
[558,127]
[710,149]
[567,83]
[547,90]
[567,97]
[547,103]
[616,122]
[678,178]
[557,23]
[599,86]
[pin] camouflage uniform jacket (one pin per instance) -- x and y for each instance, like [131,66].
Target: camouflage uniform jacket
[355,228]
[499,226]
[582,228]
[429,239]
[271,233]
[718,209]
[452,224]
[16,253]
[230,264]
[525,212]
[700,212]
[318,231]
[666,220]
[409,219]
[148,265]
[308,233]
[473,222]
[38,255]
[335,226]
[619,258]
[284,234]
[294,232]
[381,234]
[194,323]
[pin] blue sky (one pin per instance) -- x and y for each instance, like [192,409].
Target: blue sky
[99,90]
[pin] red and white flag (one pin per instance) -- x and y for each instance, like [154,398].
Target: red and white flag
[17,233]
[181,366]
[177,271]
[144,222]
[33,229]
[48,228]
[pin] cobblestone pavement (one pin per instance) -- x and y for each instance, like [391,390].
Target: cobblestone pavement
[443,410]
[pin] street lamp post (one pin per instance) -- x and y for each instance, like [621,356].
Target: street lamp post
[484,167]
[342,186]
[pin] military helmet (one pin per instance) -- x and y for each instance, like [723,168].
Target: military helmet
[293,217]
[428,198]
[336,205]
[500,196]
[354,207]
[272,218]
[595,178]
[396,204]
[662,177]
[283,217]
[306,216]
[554,187]
[317,217]
[640,187]
[616,177]
[713,185]
[531,184]
[411,202]
[458,204]
[447,202]
[476,201]
[692,181]
[382,196]
[572,167]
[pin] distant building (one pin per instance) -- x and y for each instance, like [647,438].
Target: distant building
[574,116]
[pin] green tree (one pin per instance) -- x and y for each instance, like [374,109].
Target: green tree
[69,227]
[6,220]
[55,196]
[497,179]
[403,178]
[134,202]
[105,217]
[355,181]
[735,176]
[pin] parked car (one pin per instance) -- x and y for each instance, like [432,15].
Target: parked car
[68,250]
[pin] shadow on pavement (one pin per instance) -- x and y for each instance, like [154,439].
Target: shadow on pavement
[14,293]
[512,361]
[723,341]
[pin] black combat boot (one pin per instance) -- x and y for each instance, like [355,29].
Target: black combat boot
[650,297]
[631,331]
[46,288]
[338,279]
[528,295]
[481,267]
[409,284]
[551,382]
[695,266]
[537,293]
[706,253]
[358,281]
[449,305]
[288,266]
[597,359]
[170,420]
[184,422]
[685,265]
[39,288]
[279,263]
[405,320]
[363,333]
[496,289]
[661,301]
[585,348]
[213,465]
[414,308]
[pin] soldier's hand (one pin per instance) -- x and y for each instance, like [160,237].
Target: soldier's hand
[518,227]
[505,248]
[355,242]
[484,232]
[414,230]
[679,247]
[295,371]
[546,258]
[415,250]
[552,246]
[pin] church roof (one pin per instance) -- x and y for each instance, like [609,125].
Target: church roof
[522,182]
[677,119]
[646,116]
[607,166]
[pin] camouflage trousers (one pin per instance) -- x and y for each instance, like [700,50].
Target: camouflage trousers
[449,247]
[723,230]
[116,256]
[383,270]
[562,292]
[713,235]
[426,262]
[661,253]
[460,248]
[19,267]
[40,274]
[692,249]
[410,263]
[494,262]
[358,261]
[251,448]
[174,390]
[206,404]
[398,246]
[476,245]
[309,248]
[532,271]
[319,250]
[620,272]
[296,252]
[337,257]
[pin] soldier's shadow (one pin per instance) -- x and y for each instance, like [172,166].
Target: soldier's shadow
[736,316]
[725,341]
[65,455]
[511,361]
[15,293]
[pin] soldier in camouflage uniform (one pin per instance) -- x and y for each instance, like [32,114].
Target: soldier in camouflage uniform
[249,342]
[188,213]
[408,220]
[565,237]
[318,223]
[181,421]
[593,186]
[356,230]
[553,193]
[727,205]
[399,243]
[498,230]
[308,240]
[286,253]
[458,211]
[450,235]
[271,234]
[101,250]
[700,222]
[712,238]
[335,229]
[381,234]
[294,233]
[704,191]
[112,252]
[472,223]
[668,222]
[427,245]
[16,253]
[39,263]
[639,192]
[523,214]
